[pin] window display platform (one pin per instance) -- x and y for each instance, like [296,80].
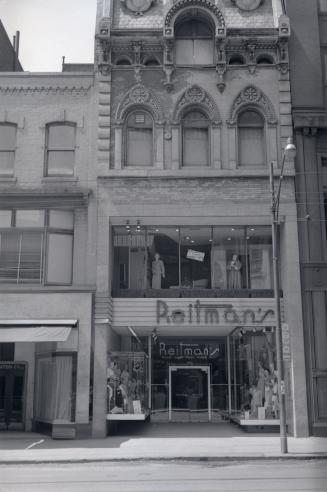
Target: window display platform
[127,416]
[254,424]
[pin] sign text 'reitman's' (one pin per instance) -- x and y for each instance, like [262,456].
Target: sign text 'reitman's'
[207,314]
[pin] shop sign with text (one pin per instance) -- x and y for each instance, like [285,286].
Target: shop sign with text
[204,313]
[188,350]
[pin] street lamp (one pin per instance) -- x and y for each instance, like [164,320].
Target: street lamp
[289,152]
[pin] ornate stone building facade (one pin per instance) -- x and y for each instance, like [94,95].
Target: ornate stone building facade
[193,104]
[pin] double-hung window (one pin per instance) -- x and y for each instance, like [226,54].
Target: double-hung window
[7,148]
[139,139]
[251,139]
[36,246]
[194,42]
[195,127]
[60,149]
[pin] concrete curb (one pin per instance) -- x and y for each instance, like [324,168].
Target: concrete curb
[283,457]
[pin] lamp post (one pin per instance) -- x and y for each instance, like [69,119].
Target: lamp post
[289,151]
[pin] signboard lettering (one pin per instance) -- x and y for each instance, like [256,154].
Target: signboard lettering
[212,314]
[188,350]
[9,366]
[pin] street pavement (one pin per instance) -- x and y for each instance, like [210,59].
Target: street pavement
[158,442]
[215,476]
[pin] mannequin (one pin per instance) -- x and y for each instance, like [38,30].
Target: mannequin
[261,381]
[158,271]
[234,278]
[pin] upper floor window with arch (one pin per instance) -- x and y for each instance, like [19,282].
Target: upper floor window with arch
[195,136]
[251,138]
[60,149]
[7,148]
[139,139]
[194,42]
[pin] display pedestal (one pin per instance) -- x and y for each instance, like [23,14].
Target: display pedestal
[255,425]
[127,416]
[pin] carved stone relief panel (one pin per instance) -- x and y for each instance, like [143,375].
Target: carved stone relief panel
[247,4]
[138,7]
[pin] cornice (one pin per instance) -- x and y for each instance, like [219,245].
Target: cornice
[309,119]
[35,90]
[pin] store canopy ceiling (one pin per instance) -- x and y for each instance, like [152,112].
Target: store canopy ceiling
[26,332]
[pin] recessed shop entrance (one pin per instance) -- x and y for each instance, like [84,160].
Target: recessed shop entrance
[189,394]
[12,383]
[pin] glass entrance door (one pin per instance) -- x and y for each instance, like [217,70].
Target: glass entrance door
[189,394]
[11,396]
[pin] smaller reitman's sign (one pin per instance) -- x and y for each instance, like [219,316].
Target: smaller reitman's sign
[201,313]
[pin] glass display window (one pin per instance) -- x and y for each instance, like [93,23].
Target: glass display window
[163,258]
[55,387]
[193,257]
[127,389]
[196,245]
[254,374]
[228,257]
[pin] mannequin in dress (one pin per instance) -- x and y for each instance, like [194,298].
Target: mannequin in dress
[234,278]
[158,271]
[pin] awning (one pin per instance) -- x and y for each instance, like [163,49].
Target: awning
[34,334]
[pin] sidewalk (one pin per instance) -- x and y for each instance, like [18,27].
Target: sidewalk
[37,448]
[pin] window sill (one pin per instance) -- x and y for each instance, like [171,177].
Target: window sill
[207,172]
[8,179]
[60,179]
[196,293]
[35,289]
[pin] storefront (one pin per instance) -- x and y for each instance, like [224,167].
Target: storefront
[45,363]
[194,360]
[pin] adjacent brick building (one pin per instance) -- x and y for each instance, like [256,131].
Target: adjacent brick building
[9,61]
[308,83]
[47,252]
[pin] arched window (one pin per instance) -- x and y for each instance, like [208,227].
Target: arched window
[60,149]
[195,135]
[251,139]
[194,42]
[265,60]
[236,59]
[151,62]
[123,62]
[7,148]
[139,139]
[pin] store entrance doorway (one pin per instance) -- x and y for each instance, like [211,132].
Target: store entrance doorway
[189,394]
[12,382]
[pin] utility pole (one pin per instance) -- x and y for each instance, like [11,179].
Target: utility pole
[289,151]
[279,341]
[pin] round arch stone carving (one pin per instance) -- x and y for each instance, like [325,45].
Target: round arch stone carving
[195,96]
[139,95]
[206,4]
[251,96]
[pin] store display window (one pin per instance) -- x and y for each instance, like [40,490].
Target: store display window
[192,257]
[127,392]
[254,374]
[55,387]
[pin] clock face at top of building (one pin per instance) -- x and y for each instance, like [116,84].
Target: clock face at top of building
[138,6]
[248,4]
